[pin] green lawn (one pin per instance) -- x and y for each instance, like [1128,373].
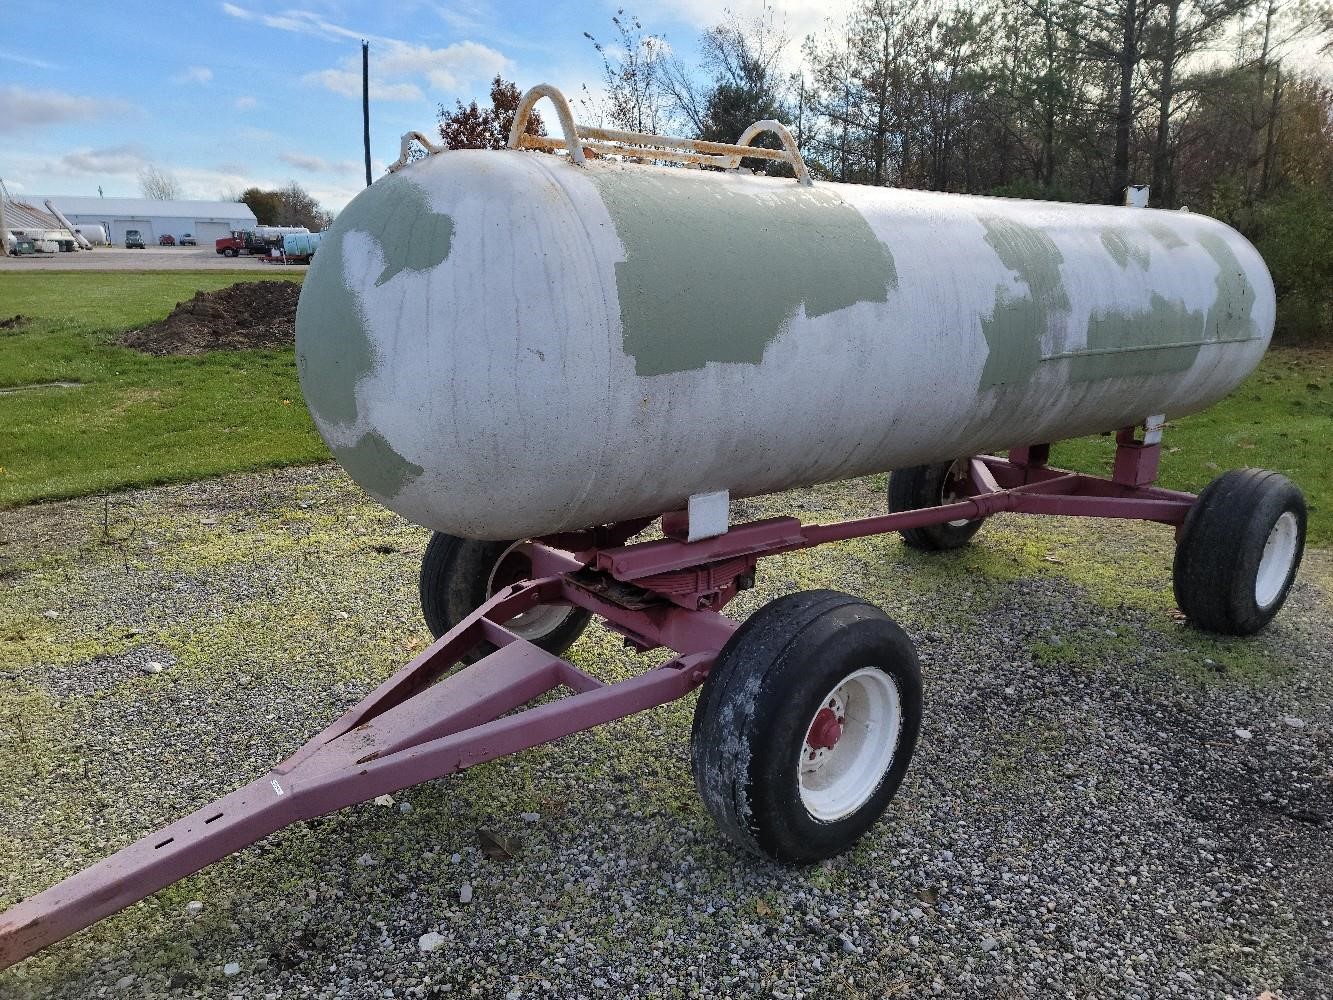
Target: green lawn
[136,420]
[140,420]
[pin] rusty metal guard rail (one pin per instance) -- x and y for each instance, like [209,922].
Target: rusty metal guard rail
[642,145]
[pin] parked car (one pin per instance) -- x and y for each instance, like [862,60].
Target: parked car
[166,240]
[133,240]
[188,240]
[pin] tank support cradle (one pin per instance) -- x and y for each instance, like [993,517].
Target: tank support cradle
[429,720]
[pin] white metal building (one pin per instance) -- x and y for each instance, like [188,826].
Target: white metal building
[205,220]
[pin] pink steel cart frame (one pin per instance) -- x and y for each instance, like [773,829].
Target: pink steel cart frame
[426,721]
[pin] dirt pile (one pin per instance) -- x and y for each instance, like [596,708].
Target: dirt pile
[248,314]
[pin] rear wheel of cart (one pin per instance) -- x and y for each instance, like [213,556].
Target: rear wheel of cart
[458,575]
[1238,551]
[806,725]
[923,486]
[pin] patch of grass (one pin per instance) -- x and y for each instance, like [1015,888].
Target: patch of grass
[1280,418]
[1087,648]
[135,420]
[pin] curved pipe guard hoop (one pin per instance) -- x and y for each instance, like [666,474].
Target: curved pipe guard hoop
[405,149]
[644,145]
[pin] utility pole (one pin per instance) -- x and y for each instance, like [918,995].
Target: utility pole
[365,103]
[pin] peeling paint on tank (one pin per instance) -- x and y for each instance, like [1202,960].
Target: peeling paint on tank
[1164,234]
[374,464]
[1123,245]
[1018,323]
[1166,338]
[1161,340]
[1232,315]
[395,213]
[713,273]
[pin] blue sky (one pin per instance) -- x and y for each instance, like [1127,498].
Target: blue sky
[228,94]
[225,95]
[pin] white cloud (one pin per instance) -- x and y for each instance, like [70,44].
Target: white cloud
[211,184]
[126,159]
[348,83]
[302,161]
[304,22]
[23,108]
[23,60]
[194,74]
[335,197]
[447,68]
[319,165]
[794,18]
[246,103]
[398,68]
[467,15]
[397,65]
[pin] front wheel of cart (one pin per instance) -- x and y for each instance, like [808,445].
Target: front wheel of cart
[1238,551]
[806,725]
[458,575]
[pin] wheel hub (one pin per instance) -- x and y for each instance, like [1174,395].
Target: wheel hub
[850,744]
[825,731]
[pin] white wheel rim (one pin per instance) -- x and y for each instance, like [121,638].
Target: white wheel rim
[837,780]
[536,623]
[1275,563]
[948,496]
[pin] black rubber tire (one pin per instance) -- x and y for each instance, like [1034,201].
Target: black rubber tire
[924,486]
[1221,546]
[755,709]
[229,252]
[453,584]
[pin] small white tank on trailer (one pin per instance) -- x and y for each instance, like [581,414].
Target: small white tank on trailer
[501,344]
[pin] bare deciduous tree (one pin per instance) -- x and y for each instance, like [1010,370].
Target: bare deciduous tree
[633,68]
[158,184]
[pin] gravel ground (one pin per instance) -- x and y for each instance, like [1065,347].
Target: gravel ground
[1104,803]
[154,258]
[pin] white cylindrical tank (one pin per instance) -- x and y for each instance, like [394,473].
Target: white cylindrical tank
[277,232]
[503,344]
[92,232]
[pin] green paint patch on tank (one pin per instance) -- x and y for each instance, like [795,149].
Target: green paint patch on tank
[334,349]
[1123,245]
[1166,338]
[1015,328]
[1164,234]
[1232,315]
[374,464]
[714,274]
[1162,339]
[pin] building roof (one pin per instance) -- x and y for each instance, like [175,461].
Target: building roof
[147,207]
[24,215]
